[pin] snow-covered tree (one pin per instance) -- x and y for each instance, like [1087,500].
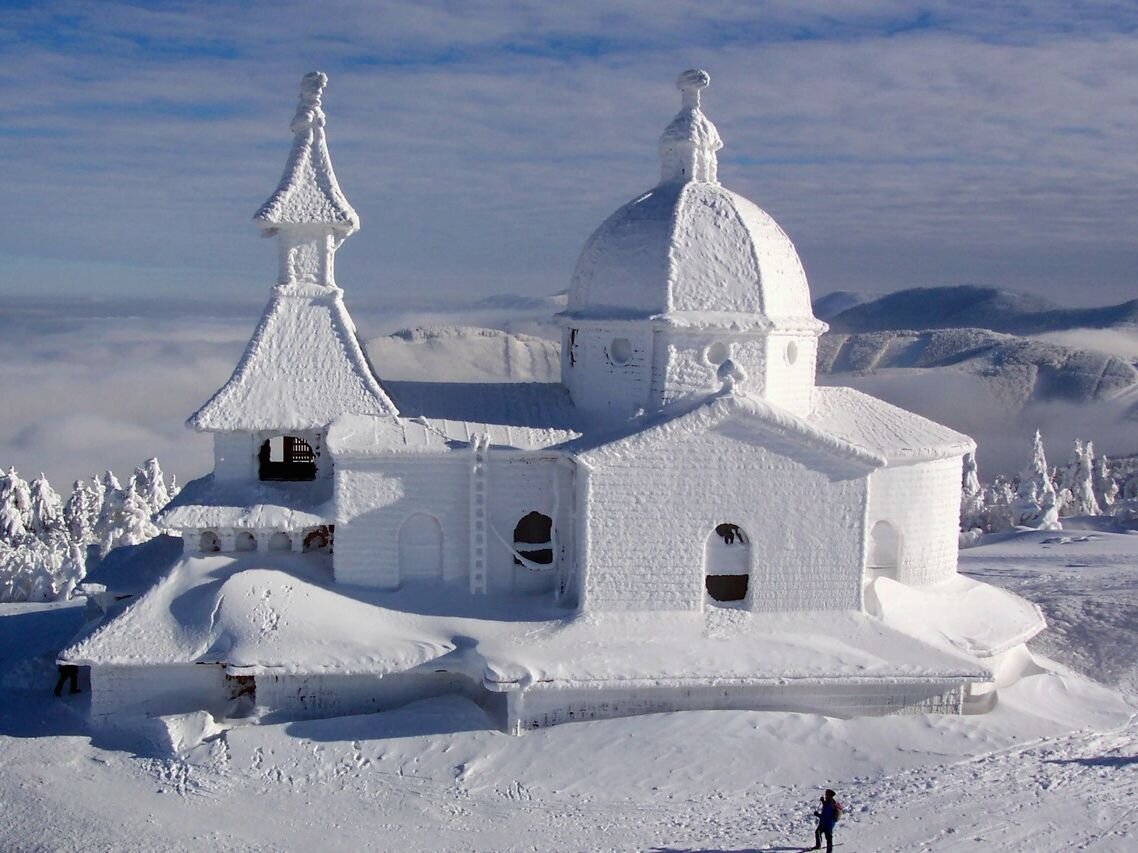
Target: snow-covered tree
[1083,501]
[150,485]
[971,496]
[46,510]
[79,514]
[15,506]
[1036,504]
[1105,487]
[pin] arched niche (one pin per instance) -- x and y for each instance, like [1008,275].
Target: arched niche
[533,538]
[727,564]
[318,539]
[280,541]
[884,550]
[208,542]
[244,541]
[421,547]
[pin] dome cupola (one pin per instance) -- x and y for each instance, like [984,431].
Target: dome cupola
[691,260]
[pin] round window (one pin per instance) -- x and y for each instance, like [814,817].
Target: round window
[717,353]
[791,352]
[620,350]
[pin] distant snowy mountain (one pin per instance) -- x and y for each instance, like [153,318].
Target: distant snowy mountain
[970,306]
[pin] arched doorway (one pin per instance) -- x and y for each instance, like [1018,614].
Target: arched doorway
[421,547]
[533,539]
[727,564]
[884,550]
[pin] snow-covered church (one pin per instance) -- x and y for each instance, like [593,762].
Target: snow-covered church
[685,521]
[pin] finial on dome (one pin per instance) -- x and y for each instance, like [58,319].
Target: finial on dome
[691,83]
[308,111]
[689,143]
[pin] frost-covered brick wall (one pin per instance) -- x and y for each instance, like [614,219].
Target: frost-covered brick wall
[295,697]
[539,708]
[157,689]
[922,503]
[374,498]
[610,371]
[790,371]
[518,485]
[646,551]
[688,363]
[234,456]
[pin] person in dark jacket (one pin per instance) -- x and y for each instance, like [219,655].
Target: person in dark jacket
[67,672]
[827,814]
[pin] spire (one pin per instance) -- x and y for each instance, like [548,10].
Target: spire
[308,211]
[689,143]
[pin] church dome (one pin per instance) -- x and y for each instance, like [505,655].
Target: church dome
[689,250]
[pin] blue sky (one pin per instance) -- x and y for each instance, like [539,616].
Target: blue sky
[899,144]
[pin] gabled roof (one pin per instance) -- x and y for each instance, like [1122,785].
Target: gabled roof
[308,192]
[898,435]
[773,427]
[303,368]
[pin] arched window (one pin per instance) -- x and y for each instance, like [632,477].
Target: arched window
[317,539]
[534,529]
[421,547]
[245,541]
[727,563]
[286,457]
[208,542]
[884,549]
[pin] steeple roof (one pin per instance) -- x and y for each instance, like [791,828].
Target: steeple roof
[308,193]
[303,368]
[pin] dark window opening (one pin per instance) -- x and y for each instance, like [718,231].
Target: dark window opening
[572,347]
[287,457]
[727,587]
[730,534]
[534,529]
[319,538]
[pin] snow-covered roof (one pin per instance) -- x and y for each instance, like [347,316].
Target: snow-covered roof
[544,405]
[308,193]
[977,618]
[894,433]
[211,503]
[690,246]
[230,609]
[303,368]
[780,431]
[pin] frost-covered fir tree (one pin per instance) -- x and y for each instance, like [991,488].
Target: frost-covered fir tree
[1106,489]
[107,526]
[1083,501]
[15,506]
[79,513]
[150,485]
[1036,503]
[971,497]
[134,524]
[46,510]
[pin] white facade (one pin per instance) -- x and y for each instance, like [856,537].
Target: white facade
[694,472]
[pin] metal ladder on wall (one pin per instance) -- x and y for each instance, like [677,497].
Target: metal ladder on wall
[479,507]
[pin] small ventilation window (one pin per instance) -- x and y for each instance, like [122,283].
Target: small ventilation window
[533,539]
[717,353]
[620,351]
[791,352]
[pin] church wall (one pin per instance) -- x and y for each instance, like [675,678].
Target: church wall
[298,697]
[607,368]
[234,456]
[157,689]
[806,530]
[520,484]
[922,502]
[374,497]
[688,363]
[790,371]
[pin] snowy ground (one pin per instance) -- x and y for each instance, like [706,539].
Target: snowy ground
[1054,767]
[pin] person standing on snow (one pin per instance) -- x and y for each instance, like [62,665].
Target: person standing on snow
[827,815]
